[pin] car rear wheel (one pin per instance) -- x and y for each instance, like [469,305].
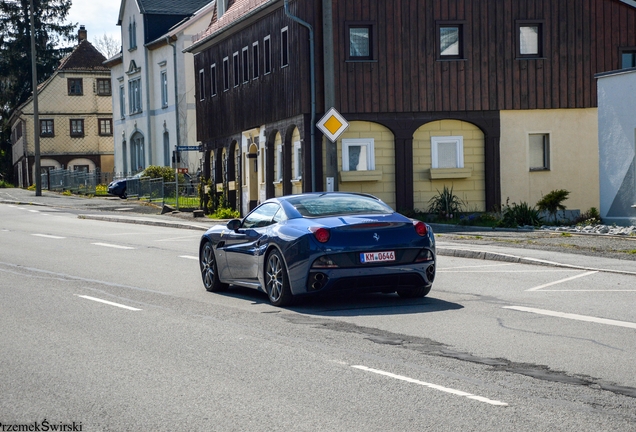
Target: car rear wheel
[414,292]
[277,281]
[209,269]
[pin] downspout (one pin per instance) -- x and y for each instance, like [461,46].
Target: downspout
[176,88]
[148,122]
[313,91]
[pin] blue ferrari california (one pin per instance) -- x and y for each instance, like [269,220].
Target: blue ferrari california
[312,243]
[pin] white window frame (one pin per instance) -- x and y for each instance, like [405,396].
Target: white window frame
[279,163]
[201,84]
[298,167]
[459,142]
[255,60]
[267,55]
[134,93]
[546,152]
[284,47]
[236,68]
[164,88]
[226,74]
[213,80]
[122,101]
[245,69]
[369,143]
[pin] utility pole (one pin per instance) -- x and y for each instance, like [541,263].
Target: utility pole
[36,117]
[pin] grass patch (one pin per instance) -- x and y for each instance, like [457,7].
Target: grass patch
[566,234]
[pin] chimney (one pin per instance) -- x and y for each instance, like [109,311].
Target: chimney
[81,34]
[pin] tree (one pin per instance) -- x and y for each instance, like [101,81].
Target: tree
[15,61]
[107,45]
[553,202]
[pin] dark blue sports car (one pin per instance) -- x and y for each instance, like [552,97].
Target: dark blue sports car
[318,242]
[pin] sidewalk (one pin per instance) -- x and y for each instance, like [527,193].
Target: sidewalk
[129,211]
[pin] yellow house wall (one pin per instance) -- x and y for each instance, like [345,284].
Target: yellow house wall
[384,149]
[297,184]
[573,156]
[471,190]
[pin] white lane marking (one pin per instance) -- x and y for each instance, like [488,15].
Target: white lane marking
[112,246]
[433,386]
[108,302]
[537,288]
[48,236]
[34,211]
[573,316]
[189,257]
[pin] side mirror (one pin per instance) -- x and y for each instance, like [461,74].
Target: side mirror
[234,224]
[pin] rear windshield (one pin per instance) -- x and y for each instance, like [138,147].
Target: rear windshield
[336,204]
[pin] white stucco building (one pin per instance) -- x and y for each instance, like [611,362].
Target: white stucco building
[617,146]
[153,83]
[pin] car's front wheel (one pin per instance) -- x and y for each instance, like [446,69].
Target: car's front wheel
[277,281]
[209,269]
[415,292]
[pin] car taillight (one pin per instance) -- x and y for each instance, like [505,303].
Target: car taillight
[420,228]
[321,234]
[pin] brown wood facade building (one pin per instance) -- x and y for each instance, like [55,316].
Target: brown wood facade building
[493,97]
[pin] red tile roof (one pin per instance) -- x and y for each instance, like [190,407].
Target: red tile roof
[235,10]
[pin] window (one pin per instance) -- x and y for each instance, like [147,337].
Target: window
[360,41]
[226,74]
[298,160]
[103,87]
[134,96]
[213,89]
[77,127]
[75,87]
[628,58]
[447,152]
[122,101]
[105,127]
[450,41]
[267,55]
[539,152]
[164,88]
[80,168]
[284,48]
[132,34]
[255,63]
[530,39]
[46,128]
[279,163]
[237,69]
[261,217]
[358,154]
[201,84]
[246,64]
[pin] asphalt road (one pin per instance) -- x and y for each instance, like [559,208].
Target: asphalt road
[107,325]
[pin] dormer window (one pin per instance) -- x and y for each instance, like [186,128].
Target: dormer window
[132,34]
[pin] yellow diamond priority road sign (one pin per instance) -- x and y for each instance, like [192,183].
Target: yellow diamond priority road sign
[332,124]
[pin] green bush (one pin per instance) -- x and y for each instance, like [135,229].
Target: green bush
[590,217]
[553,202]
[5,184]
[446,205]
[225,213]
[515,215]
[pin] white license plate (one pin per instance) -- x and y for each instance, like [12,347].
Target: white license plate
[368,257]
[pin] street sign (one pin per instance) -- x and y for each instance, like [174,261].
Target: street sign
[332,124]
[190,148]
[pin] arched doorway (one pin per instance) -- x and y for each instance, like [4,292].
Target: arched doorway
[137,152]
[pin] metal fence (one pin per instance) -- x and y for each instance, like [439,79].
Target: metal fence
[153,190]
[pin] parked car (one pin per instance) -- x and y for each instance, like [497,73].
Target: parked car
[313,243]
[118,187]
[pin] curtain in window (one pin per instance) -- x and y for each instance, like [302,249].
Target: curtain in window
[447,154]
[449,41]
[529,40]
[359,42]
[538,144]
[358,158]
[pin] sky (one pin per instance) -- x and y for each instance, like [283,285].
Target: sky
[99,17]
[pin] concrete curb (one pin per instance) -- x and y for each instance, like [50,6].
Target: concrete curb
[165,224]
[494,256]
